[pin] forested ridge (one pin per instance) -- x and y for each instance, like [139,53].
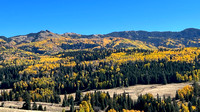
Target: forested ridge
[35,77]
[39,67]
[47,42]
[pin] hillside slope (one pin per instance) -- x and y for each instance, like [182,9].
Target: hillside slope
[49,42]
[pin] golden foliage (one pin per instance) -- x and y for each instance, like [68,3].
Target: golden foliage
[124,110]
[186,55]
[187,90]
[85,106]
[147,96]
[184,108]
[112,110]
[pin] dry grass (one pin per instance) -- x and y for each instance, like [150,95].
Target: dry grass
[134,91]
[2,109]
[10,105]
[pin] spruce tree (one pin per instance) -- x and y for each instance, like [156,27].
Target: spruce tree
[64,103]
[52,99]
[72,107]
[194,100]
[176,96]
[57,98]
[196,89]
[11,96]
[2,104]
[164,80]
[34,107]
[198,105]
[190,106]
[78,96]
[16,96]
[27,104]
[176,107]
[40,107]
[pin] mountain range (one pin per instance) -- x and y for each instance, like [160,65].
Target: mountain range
[46,42]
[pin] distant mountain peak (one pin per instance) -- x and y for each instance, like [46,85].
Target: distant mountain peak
[33,37]
[191,29]
[44,31]
[188,37]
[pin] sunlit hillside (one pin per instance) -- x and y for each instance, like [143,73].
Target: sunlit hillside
[42,66]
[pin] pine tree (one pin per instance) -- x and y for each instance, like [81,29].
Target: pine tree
[11,96]
[66,100]
[176,107]
[2,104]
[72,107]
[57,98]
[130,102]
[35,98]
[27,104]
[40,107]
[194,100]
[196,89]
[5,96]
[198,105]
[164,80]
[52,99]
[17,96]
[65,97]
[78,96]
[190,106]
[34,107]
[177,96]
[64,103]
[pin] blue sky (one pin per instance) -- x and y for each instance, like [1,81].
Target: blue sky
[97,16]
